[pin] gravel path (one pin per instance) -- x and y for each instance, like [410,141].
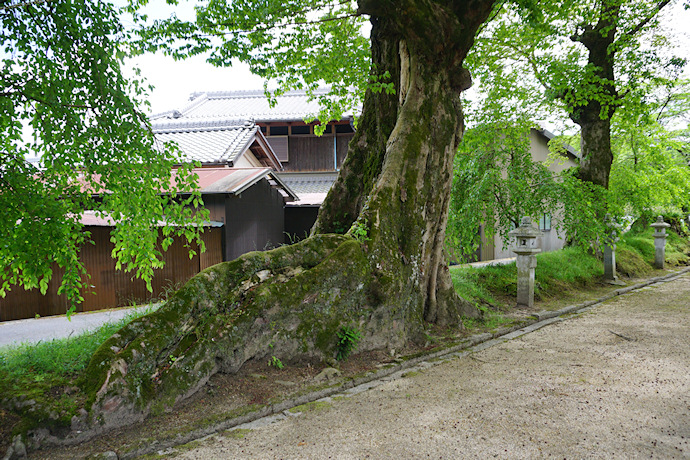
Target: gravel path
[613,382]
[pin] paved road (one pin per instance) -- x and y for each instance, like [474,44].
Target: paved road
[613,382]
[52,327]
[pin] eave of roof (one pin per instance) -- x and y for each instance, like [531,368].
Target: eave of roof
[216,141]
[253,104]
[568,148]
[97,219]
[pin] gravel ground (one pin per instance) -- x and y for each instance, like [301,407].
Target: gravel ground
[613,382]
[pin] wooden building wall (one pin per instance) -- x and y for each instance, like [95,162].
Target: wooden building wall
[111,288]
[254,220]
[312,153]
[298,222]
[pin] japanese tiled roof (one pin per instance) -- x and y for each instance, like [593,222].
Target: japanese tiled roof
[97,219]
[291,106]
[227,180]
[311,188]
[207,141]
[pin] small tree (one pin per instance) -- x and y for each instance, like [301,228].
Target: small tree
[496,183]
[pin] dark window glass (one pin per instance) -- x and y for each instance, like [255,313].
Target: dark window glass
[343,129]
[279,130]
[263,129]
[301,130]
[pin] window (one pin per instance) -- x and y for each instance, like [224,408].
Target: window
[278,131]
[545,222]
[301,130]
[343,129]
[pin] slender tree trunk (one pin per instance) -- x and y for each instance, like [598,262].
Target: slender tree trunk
[385,277]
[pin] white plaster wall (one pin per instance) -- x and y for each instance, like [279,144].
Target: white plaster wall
[551,240]
[247,160]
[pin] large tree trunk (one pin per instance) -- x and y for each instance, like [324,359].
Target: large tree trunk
[384,277]
[597,157]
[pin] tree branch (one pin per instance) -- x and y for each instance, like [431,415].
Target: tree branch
[531,61]
[646,20]
[21,4]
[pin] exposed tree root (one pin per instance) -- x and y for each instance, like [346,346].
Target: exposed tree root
[289,303]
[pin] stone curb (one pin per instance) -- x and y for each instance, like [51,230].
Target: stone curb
[471,345]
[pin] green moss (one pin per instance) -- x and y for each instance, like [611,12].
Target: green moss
[237,433]
[411,374]
[315,406]
[630,263]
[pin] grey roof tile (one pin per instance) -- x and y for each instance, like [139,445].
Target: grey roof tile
[311,188]
[291,106]
[209,141]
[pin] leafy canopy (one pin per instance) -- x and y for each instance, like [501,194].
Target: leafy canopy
[295,44]
[530,66]
[64,99]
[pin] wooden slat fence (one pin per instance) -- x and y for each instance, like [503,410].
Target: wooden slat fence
[109,287]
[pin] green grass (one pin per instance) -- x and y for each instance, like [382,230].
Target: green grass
[44,374]
[642,243]
[558,272]
[59,357]
[569,268]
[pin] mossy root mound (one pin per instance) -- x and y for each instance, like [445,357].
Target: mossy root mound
[289,303]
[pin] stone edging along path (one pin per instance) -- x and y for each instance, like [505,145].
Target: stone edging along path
[393,371]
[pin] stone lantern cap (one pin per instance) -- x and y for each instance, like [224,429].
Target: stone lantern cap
[527,237]
[660,226]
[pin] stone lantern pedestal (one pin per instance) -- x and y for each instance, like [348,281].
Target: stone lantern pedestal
[526,244]
[660,241]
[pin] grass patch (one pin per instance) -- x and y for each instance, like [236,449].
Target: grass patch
[60,357]
[41,376]
[237,433]
[630,262]
[643,246]
[311,407]
[493,289]
[490,320]
[569,268]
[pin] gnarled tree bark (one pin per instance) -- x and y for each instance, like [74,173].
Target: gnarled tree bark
[384,277]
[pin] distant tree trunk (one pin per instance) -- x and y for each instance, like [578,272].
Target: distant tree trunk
[594,116]
[597,157]
[384,277]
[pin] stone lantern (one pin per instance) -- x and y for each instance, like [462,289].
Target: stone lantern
[660,241]
[610,251]
[526,244]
